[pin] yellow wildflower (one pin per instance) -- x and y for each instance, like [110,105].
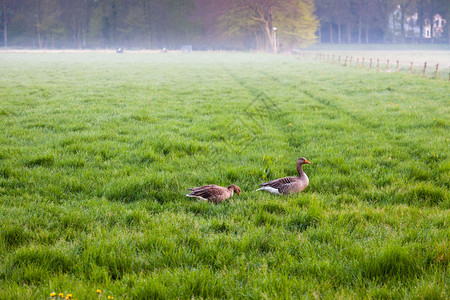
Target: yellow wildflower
[110,297]
[99,291]
[61,295]
[315,108]
[69,296]
[290,124]
[53,294]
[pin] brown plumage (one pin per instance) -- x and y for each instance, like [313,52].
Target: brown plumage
[214,193]
[288,185]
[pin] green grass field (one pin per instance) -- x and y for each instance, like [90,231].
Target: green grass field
[97,151]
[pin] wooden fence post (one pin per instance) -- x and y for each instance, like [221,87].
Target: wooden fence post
[351,58]
[332,60]
[357,61]
[371,64]
[436,72]
[387,66]
[339,59]
[345,64]
[410,68]
[328,58]
[424,68]
[397,65]
[378,65]
[362,63]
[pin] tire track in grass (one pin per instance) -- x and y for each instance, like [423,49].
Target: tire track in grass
[357,120]
[412,148]
[375,128]
[256,113]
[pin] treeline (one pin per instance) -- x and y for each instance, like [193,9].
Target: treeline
[97,23]
[156,24]
[268,25]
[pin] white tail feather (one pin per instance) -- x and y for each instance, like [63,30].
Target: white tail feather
[269,189]
[198,197]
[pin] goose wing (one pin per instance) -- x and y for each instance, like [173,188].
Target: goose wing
[281,184]
[208,192]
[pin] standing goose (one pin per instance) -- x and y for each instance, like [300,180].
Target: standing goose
[214,193]
[288,185]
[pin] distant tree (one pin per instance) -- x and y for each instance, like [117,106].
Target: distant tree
[297,26]
[48,22]
[446,14]
[342,14]
[5,21]
[407,8]
[368,12]
[75,17]
[324,17]
[294,19]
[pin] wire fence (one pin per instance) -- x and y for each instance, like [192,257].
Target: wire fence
[378,65]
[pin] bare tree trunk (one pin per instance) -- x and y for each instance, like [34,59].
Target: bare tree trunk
[5,25]
[448,30]
[80,32]
[339,33]
[147,27]
[402,24]
[367,33]
[38,24]
[359,29]
[86,24]
[393,28]
[331,33]
[269,35]
[432,30]
[349,33]
[74,30]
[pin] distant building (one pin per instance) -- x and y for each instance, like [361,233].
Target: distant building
[438,27]
[430,29]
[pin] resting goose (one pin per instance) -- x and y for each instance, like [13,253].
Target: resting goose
[214,193]
[288,185]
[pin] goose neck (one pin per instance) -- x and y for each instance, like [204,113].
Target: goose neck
[300,170]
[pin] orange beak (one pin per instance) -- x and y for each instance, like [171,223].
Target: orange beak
[307,162]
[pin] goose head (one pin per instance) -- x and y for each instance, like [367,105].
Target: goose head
[302,161]
[234,188]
